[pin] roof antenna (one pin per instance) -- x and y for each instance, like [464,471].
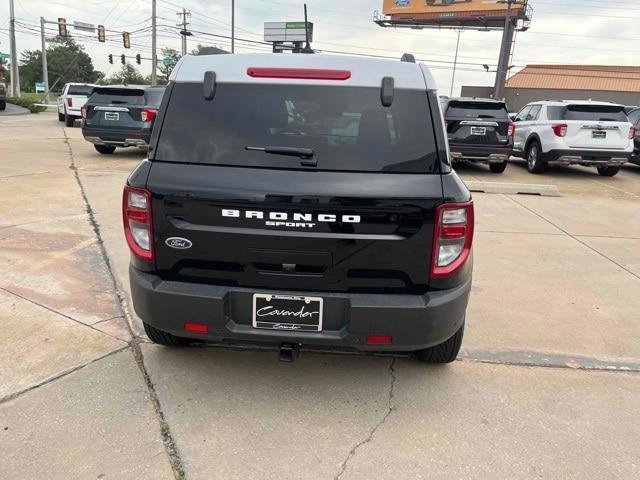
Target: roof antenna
[307,48]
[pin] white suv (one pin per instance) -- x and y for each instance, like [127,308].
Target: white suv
[71,101]
[596,134]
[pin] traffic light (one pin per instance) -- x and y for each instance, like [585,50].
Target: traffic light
[111,58]
[126,40]
[62,27]
[101,34]
[138,59]
[123,59]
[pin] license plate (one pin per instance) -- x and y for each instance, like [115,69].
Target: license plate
[111,116]
[287,313]
[478,131]
[599,134]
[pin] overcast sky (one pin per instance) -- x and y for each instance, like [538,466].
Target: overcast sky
[599,32]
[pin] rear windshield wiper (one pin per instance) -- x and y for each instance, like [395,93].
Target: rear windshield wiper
[306,154]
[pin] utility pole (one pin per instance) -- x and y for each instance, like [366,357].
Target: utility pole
[455,64]
[45,70]
[505,52]
[233,26]
[15,73]
[154,54]
[185,29]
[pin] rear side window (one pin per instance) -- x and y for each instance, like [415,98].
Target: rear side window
[346,127]
[80,90]
[596,113]
[460,109]
[117,96]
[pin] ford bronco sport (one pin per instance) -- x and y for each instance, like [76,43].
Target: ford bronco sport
[294,200]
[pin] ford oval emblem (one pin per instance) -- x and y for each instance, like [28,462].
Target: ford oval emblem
[178,243]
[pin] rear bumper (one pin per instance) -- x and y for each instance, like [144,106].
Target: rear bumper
[481,153]
[588,158]
[117,137]
[414,321]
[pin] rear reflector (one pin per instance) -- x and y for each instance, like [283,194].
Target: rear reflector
[299,73]
[452,238]
[196,327]
[379,340]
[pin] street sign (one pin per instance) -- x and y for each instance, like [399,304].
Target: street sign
[168,61]
[85,27]
[39,87]
[4,56]
[287,32]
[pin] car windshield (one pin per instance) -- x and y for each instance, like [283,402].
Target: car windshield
[117,96]
[461,109]
[80,90]
[596,113]
[347,128]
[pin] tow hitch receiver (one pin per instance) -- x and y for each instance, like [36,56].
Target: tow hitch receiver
[289,352]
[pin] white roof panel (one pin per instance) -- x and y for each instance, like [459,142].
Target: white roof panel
[365,71]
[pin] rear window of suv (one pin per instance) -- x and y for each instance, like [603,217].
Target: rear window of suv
[346,127]
[462,109]
[595,113]
[117,96]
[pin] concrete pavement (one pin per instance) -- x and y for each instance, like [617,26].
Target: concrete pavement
[555,284]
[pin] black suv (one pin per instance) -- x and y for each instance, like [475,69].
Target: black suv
[301,200]
[479,130]
[120,116]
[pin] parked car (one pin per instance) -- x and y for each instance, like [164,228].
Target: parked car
[596,134]
[265,216]
[71,100]
[479,130]
[634,118]
[120,116]
[3,97]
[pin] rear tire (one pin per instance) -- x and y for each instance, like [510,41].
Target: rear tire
[446,352]
[163,338]
[61,117]
[105,149]
[3,106]
[69,120]
[498,167]
[534,162]
[608,171]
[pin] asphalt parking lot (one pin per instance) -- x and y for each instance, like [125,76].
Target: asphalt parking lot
[547,386]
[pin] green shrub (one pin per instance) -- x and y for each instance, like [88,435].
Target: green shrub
[26,102]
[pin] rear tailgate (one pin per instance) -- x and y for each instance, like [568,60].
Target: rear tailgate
[600,127]
[329,232]
[477,123]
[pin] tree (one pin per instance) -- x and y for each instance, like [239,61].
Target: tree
[67,62]
[207,50]
[128,75]
[170,57]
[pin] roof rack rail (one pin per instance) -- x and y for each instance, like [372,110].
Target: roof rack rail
[408,57]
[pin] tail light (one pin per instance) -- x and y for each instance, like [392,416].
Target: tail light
[453,238]
[148,114]
[69,102]
[83,111]
[633,133]
[560,129]
[138,222]
[511,131]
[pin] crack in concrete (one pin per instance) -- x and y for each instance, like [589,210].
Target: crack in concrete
[165,431]
[369,438]
[59,375]
[576,238]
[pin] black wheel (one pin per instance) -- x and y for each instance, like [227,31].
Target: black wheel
[497,167]
[3,106]
[164,338]
[69,120]
[61,117]
[608,171]
[534,162]
[446,352]
[105,149]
